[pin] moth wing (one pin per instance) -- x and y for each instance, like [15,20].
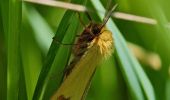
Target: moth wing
[76,83]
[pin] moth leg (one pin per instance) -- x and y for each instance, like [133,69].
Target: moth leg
[80,19]
[78,35]
[57,42]
[78,55]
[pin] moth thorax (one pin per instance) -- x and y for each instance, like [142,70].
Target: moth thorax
[105,42]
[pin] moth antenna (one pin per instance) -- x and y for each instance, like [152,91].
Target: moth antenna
[58,42]
[106,18]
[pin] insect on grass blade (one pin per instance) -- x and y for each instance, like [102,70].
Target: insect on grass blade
[94,44]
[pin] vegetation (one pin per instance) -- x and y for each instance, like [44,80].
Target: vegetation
[32,63]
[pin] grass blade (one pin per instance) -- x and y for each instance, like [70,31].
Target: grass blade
[135,76]
[60,61]
[168,89]
[11,14]
[3,68]
[31,55]
[43,33]
[61,31]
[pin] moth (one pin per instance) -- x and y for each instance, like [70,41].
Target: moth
[94,44]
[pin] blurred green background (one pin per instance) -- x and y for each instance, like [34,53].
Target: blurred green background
[31,65]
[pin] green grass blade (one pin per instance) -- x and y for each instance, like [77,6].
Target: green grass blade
[167,89]
[134,74]
[55,75]
[22,87]
[11,14]
[49,60]
[3,68]
[13,49]
[43,33]
[31,55]
[61,31]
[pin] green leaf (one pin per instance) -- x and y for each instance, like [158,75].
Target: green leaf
[61,31]
[31,55]
[168,89]
[3,73]
[11,15]
[3,68]
[22,87]
[43,33]
[61,60]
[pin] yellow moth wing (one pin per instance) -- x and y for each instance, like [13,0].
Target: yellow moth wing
[76,83]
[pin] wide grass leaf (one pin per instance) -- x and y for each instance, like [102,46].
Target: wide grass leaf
[11,15]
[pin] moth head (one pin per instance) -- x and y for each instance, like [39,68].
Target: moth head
[95,29]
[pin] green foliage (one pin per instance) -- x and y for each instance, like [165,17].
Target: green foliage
[11,20]
[32,62]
